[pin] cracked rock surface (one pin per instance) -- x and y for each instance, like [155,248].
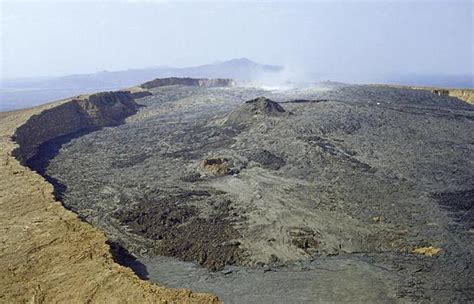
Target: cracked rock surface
[331,186]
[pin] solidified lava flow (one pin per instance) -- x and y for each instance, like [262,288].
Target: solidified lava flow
[255,179]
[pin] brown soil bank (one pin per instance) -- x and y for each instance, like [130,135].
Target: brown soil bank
[466,95]
[47,254]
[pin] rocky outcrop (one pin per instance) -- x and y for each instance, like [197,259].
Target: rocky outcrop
[440,92]
[253,110]
[216,166]
[263,106]
[79,114]
[195,82]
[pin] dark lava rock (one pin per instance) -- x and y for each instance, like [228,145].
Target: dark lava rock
[182,233]
[251,110]
[268,160]
[264,106]
[460,204]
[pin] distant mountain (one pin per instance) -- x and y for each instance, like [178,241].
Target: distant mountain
[15,94]
[241,69]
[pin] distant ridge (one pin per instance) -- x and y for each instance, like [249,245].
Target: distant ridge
[16,94]
[196,82]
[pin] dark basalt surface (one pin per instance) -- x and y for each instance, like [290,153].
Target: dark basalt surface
[181,232]
[323,194]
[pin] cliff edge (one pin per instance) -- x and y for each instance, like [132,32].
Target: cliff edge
[47,254]
[463,94]
[466,95]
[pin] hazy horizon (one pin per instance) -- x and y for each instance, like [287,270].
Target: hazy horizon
[37,77]
[351,41]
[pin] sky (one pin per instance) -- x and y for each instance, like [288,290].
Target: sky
[351,39]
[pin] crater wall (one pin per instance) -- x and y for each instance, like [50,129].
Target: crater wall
[48,255]
[82,113]
[198,82]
